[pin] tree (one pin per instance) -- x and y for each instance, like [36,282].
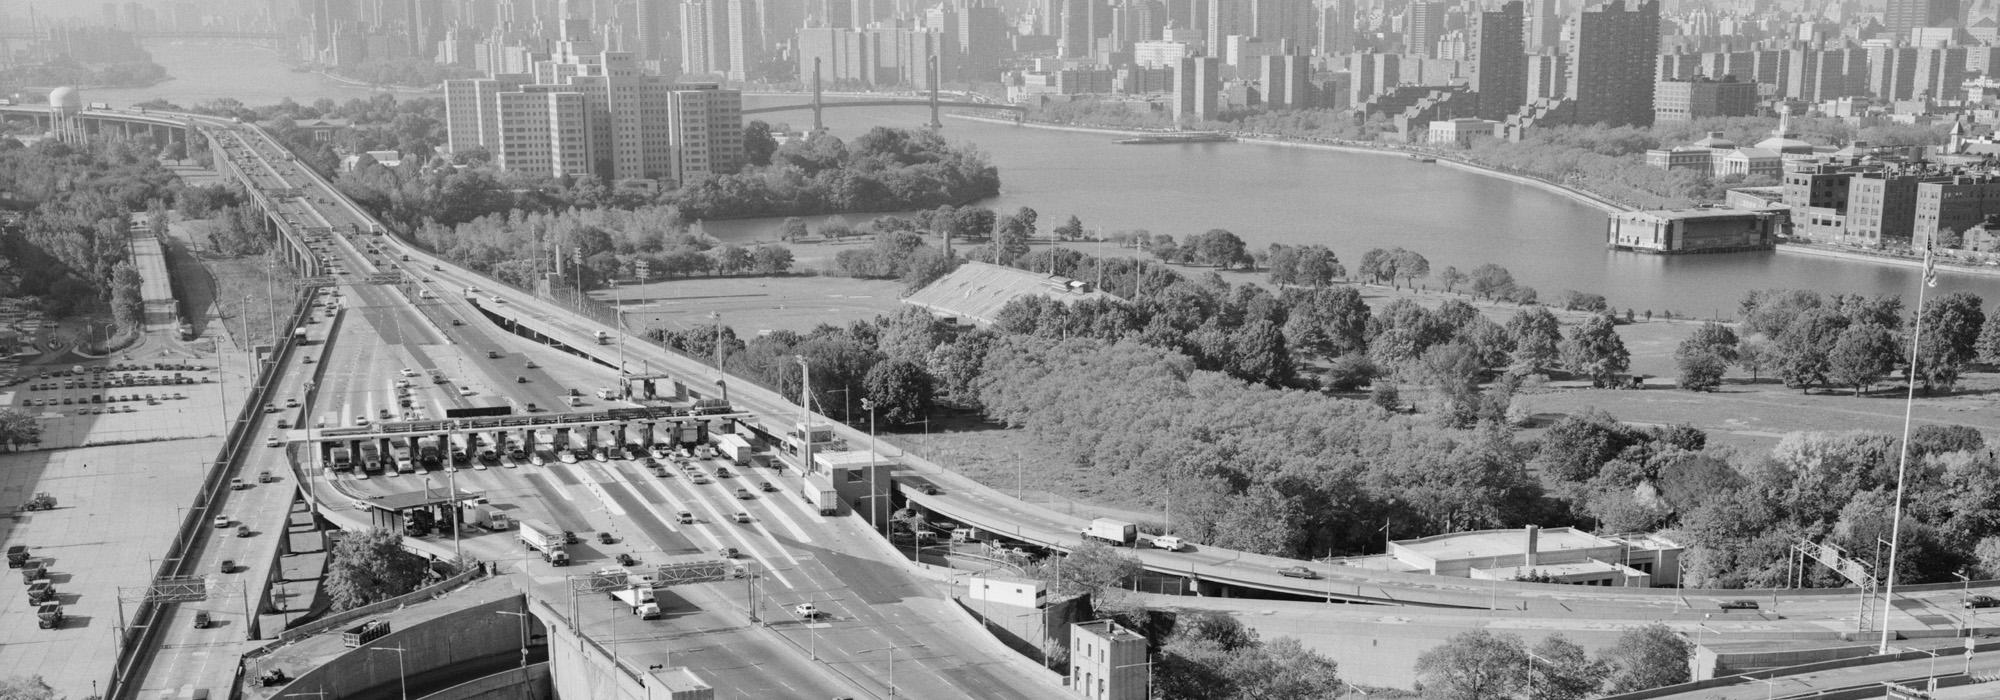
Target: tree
[900,389]
[18,427]
[1646,657]
[1802,350]
[1595,350]
[1377,265]
[1537,337]
[1490,280]
[1475,665]
[1285,668]
[1410,266]
[1704,356]
[1091,568]
[1951,329]
[731,258]
[1070,230]
[1753,356]
[1220,248]
[758,144]
[1988,345]
[1563,671]
[369,567]
[1011,239]
[1863,355]
[1451,278]
[793,229]
[772,259]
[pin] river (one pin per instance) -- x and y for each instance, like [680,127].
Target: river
[1265,194]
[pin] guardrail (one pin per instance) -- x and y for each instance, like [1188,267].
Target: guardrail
[181,552]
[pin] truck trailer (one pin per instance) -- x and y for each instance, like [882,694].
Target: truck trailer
[541,537]
[427,451]
[819,492]
[342,458]
[1116,533]
[640,599]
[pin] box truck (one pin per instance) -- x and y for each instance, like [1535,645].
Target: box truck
[819,491]
[540,537]
[1116,533]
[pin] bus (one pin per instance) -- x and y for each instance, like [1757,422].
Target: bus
[400,447]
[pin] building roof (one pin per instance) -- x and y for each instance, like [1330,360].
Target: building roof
[1714,139]
[1758,153]
[1592,566]
[1684,215]
[1494,543]
[977,291]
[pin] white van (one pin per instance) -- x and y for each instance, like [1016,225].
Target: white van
[1169,543]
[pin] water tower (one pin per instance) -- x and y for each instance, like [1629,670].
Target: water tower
[65,103]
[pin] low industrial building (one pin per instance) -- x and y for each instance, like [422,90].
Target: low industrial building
[1560,555]
[1108,662]
[1692,230]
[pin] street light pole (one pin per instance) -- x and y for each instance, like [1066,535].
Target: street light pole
[402,675]
[892,661]
[524,629]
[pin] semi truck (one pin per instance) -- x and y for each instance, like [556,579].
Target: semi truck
[299,337]
[539,536]
[819,492]
[485,515]
[342,458]
[427,450]
[1116,533]
[371,457]
[735,448]
[640,599]
[400,447]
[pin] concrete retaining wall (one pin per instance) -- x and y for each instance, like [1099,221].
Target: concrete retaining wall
[531,683]
[302,631]
[435,654]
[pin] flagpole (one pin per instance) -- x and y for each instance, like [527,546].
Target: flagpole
[1903,458]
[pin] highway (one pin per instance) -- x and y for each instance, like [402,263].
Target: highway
[427,326]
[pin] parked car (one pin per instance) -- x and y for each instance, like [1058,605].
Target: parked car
[1739,604]
[1297,572]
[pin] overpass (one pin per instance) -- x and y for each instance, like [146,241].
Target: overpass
[164,127]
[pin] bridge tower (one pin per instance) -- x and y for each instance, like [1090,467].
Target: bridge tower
[818,126]
[935,80]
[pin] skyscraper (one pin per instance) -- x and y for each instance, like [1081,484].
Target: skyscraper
[1334,21]
[1283,78]
[1612,63]
[1424,23]
[1544,25]
[1499,74]
[704,37]
[1197,82]
[1903,15]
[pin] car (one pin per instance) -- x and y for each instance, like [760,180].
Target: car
[685,518]
[407,372]
[1982,601]
[742,517]
[726,552]
[532,365]
[236,484]
[465,391]
[308,360]
[228,566]
[722,473]
[436,268]
[243,531]
[270,408]
[1738,604]
[1297,572]
[359,419]
[291,403]
[806,610]
[201,620]
[493,354]
[626,560]
[531,407]
[744,494]
[222,521]
[766,487]
[572,456]
[457,322]
[264,477]
[698,477]
[605,538]
[520,380]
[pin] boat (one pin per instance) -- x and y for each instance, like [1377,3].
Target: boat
[1421,158]
[1178,137]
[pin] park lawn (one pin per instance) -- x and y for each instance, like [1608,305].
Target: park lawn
[755,305]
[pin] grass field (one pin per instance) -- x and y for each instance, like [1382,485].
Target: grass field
[755,305]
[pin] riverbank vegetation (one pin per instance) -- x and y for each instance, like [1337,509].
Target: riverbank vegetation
[67,71]
[598,244]
[408,72]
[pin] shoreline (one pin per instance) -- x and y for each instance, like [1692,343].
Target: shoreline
[1444,159]
[1824,251]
